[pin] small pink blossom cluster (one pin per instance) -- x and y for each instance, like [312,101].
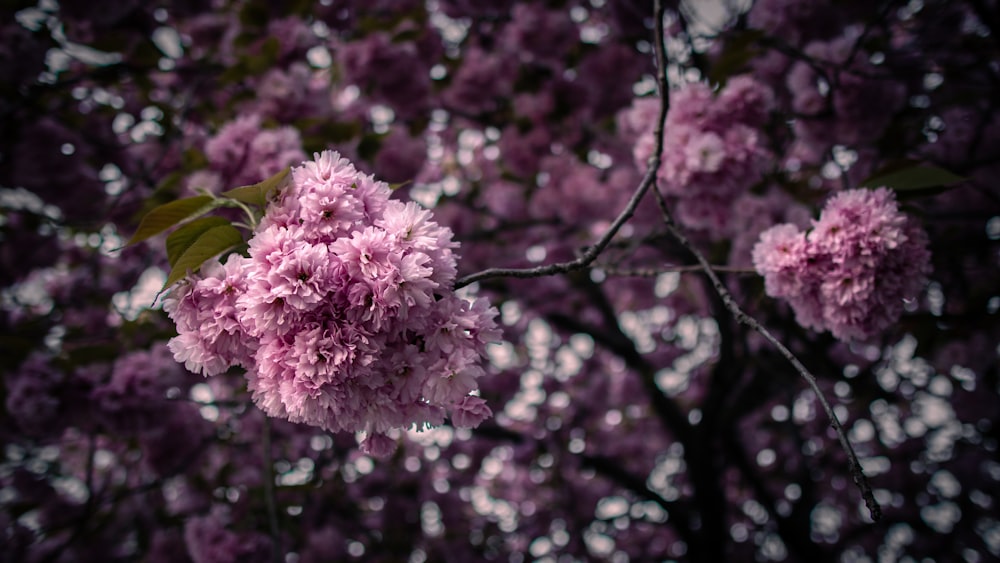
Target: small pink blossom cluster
[854,111]
[852,272]
[243,151]
[712,148]
[343,313]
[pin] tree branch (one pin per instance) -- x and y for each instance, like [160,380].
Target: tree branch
[593,251]
[854,465]
[272,510]
[613,470]
[668,269]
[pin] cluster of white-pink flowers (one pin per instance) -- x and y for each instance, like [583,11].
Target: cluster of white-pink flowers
[713,150]
[343,314]
[243,151]
[853,271]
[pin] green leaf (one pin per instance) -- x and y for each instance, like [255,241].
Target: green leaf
[407,34]
[145,55]
[212,242]
[194,159]
[235,73]
[270,49]
[180,240]
[110,42]
[253,64]
[907,177]
[369,146]
[167,215]
[398,185]
[739,49]
[254,14]
[169,183]
[83,355]
[245,39]
[258,193]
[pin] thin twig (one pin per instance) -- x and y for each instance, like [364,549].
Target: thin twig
[614,471]
[669,269]
[272,511]
[582,261]
[84,519]
[592,252]
[855,465]
[845,181]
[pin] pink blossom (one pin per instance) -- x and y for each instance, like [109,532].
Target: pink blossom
[400,156]
[133,398]
[746,101]
[705,153]
[288,270]
[392,71]
[712,149]
[211,338]
[484,80]
[209,541]
[537,34]
[243,152]
[342,314]
[852,272]
[32,395]
[378,445]
[470,412]
[326,198]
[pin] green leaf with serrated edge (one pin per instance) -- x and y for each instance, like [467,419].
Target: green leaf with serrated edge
[256,194]
[915,177]
[167,215]
[180,240]
[211,243]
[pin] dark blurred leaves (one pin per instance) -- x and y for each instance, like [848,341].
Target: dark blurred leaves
[909,179]
[169,214]
[741,47]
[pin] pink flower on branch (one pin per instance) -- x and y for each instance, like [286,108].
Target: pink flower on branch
[713,151]
[342,313]
[853,271]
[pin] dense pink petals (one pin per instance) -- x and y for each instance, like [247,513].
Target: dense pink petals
[712,150]
[211,337]
[852,273]
[378,445]
[343,313]
[470,412]
[243,152]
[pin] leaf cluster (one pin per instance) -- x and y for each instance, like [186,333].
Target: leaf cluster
[198,238]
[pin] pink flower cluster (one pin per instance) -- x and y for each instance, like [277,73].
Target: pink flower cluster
[852,272]
[853,111]
[243,151]
[713,151]
[343,314]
